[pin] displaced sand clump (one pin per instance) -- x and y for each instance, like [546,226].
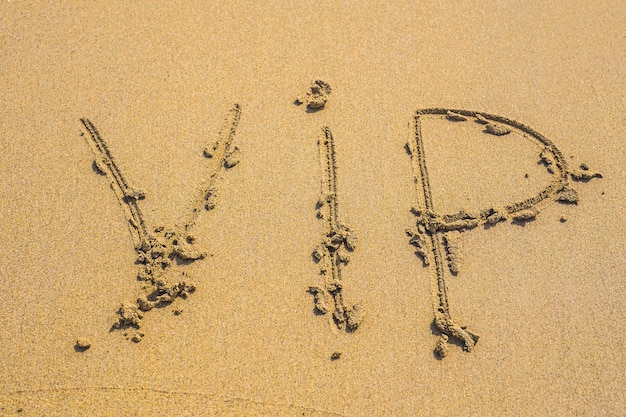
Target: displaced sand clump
[584,174]
[129,316]
[317,96]
[441,348]
[83,344]
[490,126]
[527,215]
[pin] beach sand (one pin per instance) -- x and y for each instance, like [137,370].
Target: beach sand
[242,334]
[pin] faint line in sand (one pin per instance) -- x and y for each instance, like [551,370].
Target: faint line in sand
[222,406]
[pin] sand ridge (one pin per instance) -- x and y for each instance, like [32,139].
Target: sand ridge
[316,97]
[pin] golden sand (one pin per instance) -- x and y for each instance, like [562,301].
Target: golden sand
[168,252]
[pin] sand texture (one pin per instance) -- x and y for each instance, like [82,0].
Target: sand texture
[313,209]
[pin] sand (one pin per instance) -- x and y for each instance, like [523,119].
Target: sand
[320,209]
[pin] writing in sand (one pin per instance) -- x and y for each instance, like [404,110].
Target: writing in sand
[162,252]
